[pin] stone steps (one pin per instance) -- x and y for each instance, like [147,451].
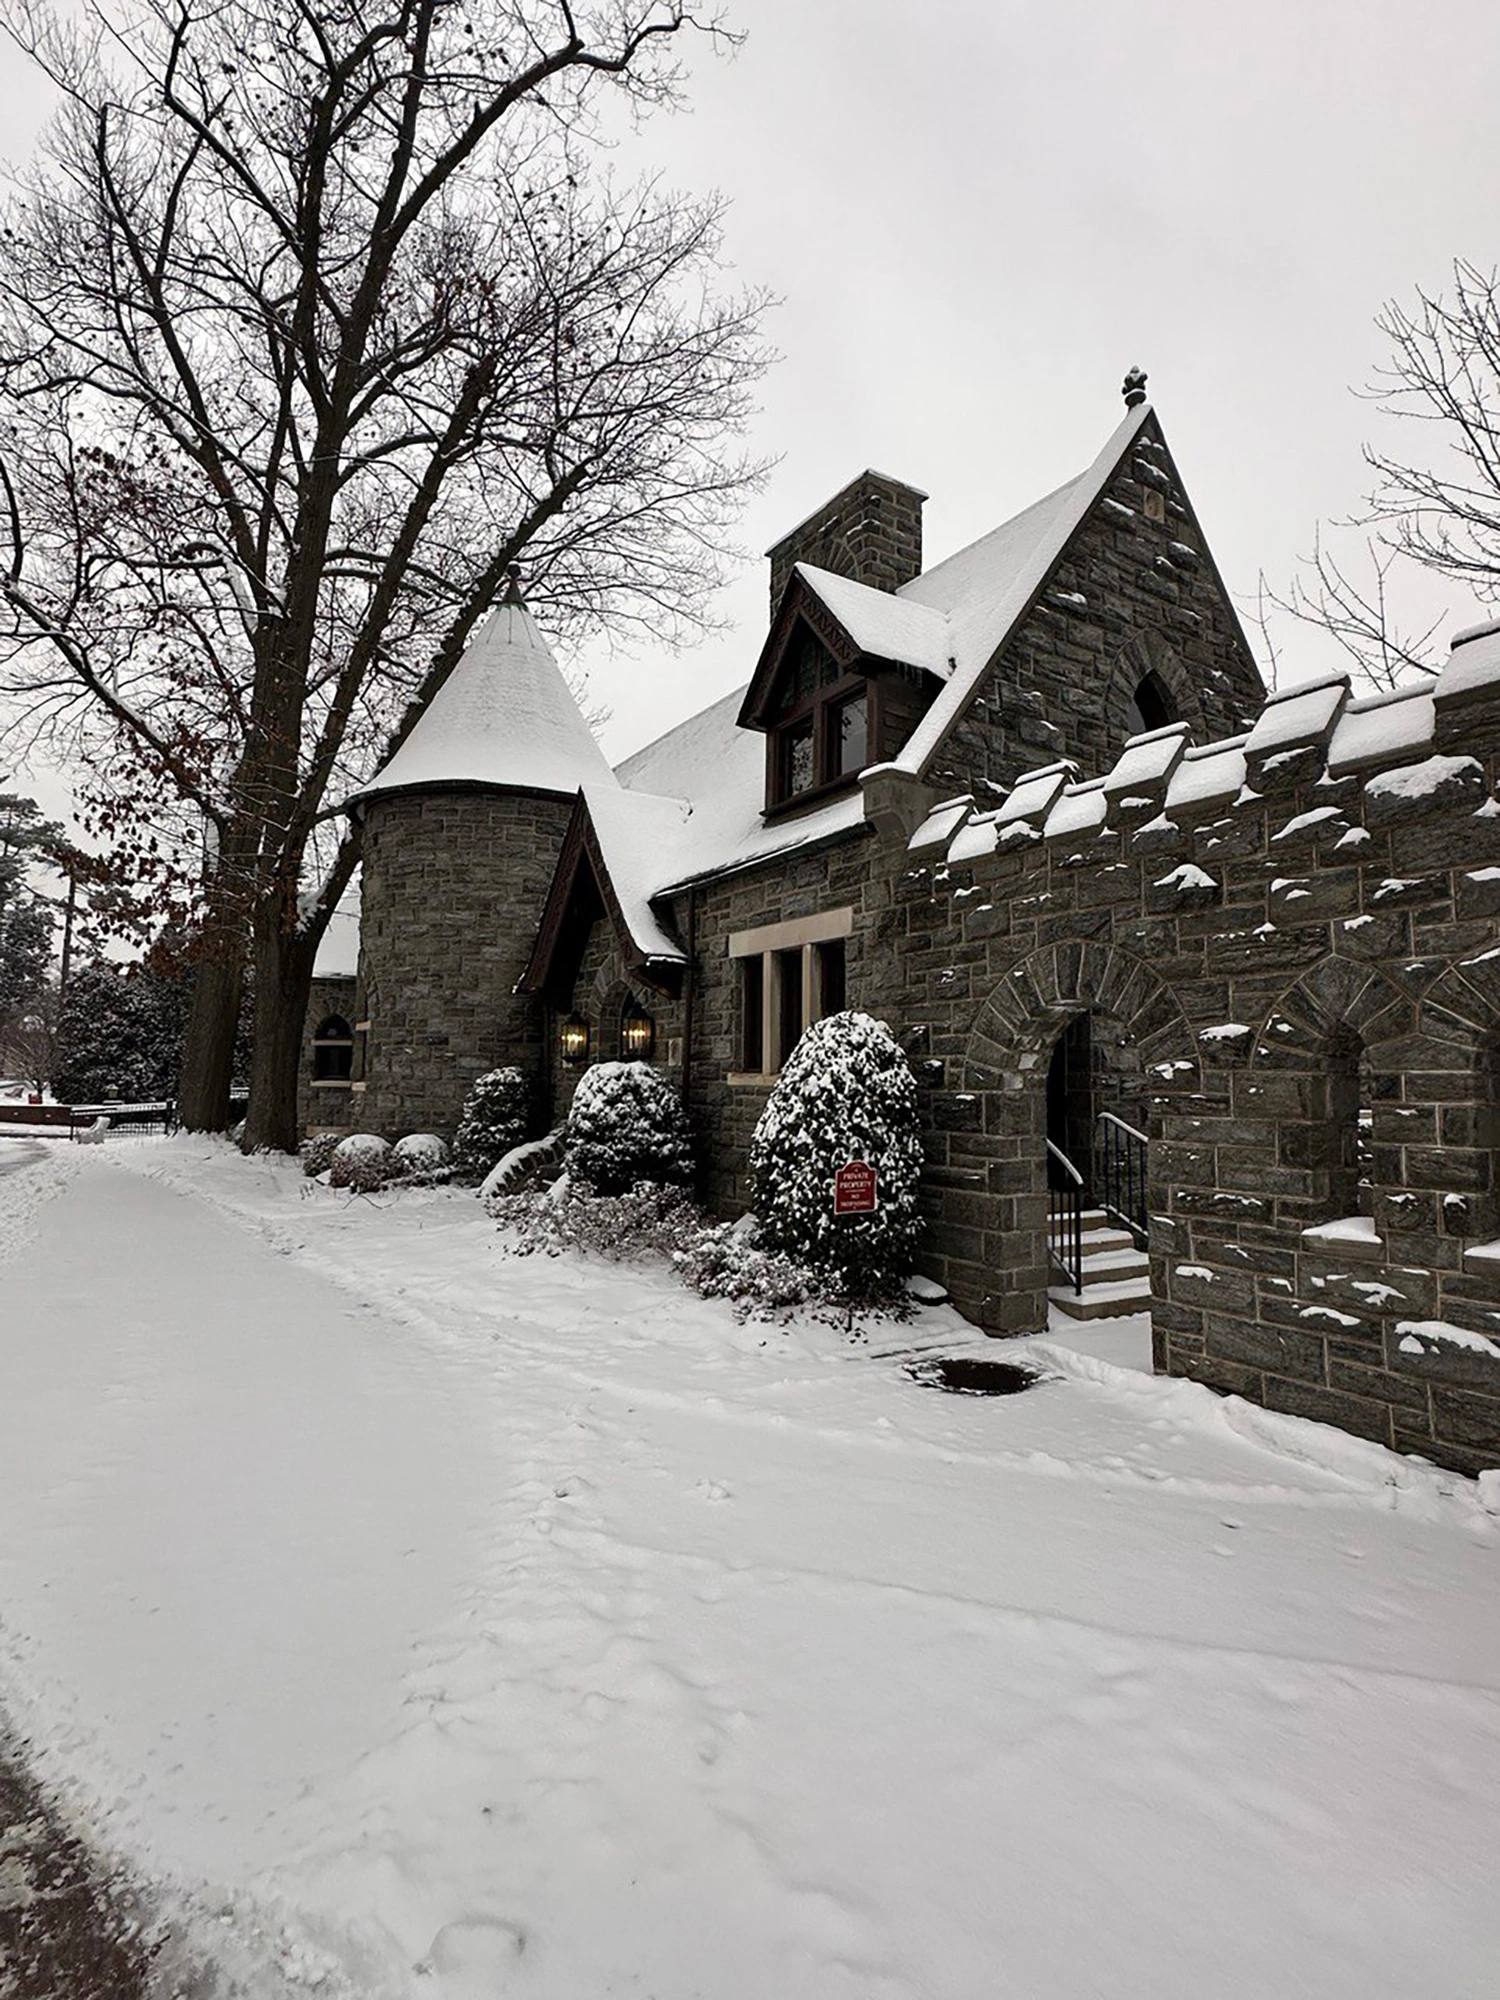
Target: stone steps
[1116,1275]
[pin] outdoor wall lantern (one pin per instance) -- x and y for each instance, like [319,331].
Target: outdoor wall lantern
[573,1039]
[638,1033]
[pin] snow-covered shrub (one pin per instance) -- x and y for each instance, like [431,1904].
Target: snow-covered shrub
[496,1115]
[362,1163]
[725,1261]
[648,1220]
[845,1093]
[626,1124]
[316,1153]
[420,1156]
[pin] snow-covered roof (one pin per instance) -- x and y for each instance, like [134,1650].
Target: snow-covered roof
[338,949]
[887,626]
[505,717]
[984,589]
[634,830]
[719,770]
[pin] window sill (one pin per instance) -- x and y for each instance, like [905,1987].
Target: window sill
[814,796]
[749,1079]
[332,1083]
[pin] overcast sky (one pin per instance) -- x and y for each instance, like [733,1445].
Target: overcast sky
[979,215]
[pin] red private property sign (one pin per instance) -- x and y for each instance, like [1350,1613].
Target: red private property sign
[854,1190]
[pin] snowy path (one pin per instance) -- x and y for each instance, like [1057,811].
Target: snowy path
[541,1632]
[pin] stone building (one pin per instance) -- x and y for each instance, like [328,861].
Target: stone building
[1202,988]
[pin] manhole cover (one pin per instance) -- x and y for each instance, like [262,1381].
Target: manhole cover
[973,1375]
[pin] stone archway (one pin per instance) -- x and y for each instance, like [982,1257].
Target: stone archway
[1002,1276]
[1424,1096]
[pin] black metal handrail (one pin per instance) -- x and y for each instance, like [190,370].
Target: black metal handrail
[1065,1215]
[1121,1151]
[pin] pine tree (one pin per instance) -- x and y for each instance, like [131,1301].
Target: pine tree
[846,1093]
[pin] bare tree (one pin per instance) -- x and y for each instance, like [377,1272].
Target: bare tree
[1433,511]
[313,319]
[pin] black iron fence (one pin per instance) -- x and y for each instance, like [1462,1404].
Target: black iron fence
[160,1116]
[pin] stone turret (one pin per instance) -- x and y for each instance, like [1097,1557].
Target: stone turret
[461,832]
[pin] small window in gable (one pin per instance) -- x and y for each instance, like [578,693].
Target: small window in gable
[1151,705]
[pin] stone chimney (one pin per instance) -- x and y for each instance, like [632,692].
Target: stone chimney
[872,532]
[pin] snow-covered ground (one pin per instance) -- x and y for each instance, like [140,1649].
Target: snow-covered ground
[427,1623]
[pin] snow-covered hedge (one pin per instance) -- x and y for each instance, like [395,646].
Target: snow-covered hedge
[316,1153]
[726,1260]
[496,1117]
[362,1163]
[420,1156]
[626,1124]
[647,1220]
[846,1093]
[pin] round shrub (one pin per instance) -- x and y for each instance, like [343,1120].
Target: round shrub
[316,1153]
[626,1124]
[419,1156]
[362,1163]
[846,1093]
[496,1116]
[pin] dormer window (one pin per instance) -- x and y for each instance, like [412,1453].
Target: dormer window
[821,735]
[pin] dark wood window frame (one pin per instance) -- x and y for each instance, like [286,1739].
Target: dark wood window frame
[820,711]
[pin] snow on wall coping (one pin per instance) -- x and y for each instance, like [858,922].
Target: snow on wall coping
[1081,809]
[1147,759]
[985,588]
[1214,771]
[882,624]
[942,823]
[1441,1332]
[1473,663]
[1034,792]
[1382,726]
[978,838]
[1300,715]
[505,717]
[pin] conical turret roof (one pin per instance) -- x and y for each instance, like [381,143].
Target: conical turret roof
[504,718]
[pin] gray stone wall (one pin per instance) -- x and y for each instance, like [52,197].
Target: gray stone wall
[871,531]
[1261,951]
[453,884]
[328,1107]
[1133,594]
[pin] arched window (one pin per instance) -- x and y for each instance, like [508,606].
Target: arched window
[1351,1157]
[333,1051]
[1151,705]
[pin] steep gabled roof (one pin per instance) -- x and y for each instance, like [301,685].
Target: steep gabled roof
[606,862]
[986,589]
[505,718]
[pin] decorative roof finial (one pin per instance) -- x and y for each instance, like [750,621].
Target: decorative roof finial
[513,587]
[1135,388]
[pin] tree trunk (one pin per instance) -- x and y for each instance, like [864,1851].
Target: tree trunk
[208,1043]
[218,992]
[283,983]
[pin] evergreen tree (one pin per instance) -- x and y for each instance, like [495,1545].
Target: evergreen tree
[496,1117]
[846,1093]
[119,1035]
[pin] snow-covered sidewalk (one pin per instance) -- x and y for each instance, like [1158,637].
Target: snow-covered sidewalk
[431,1623]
